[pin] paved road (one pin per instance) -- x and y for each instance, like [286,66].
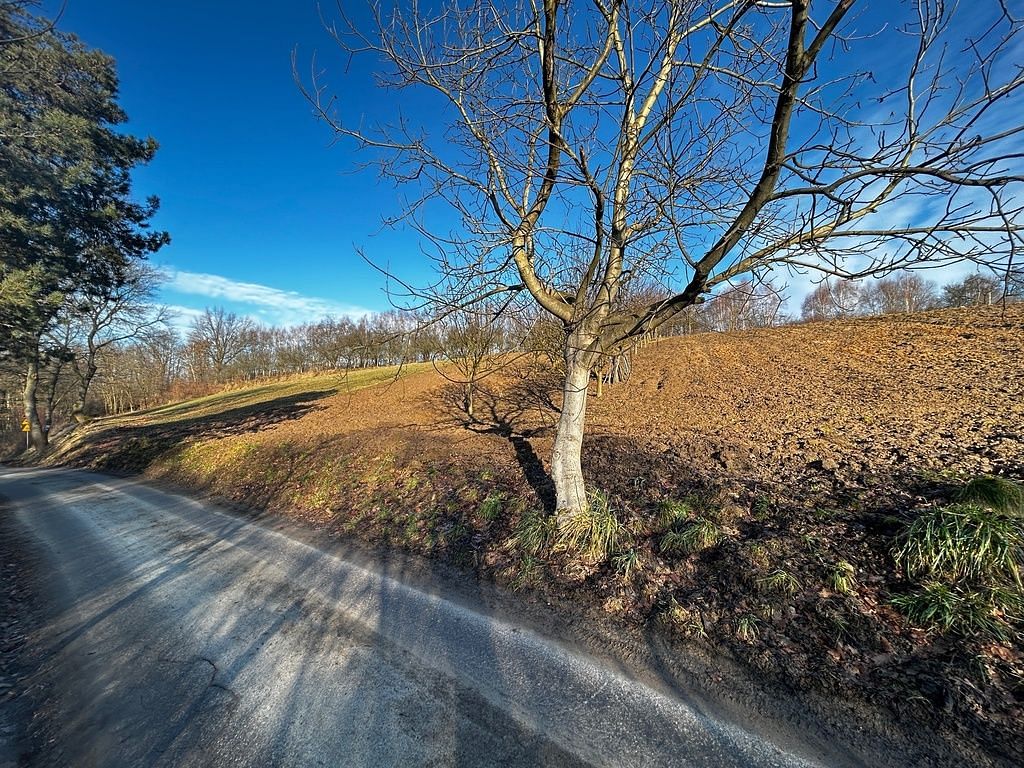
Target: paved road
[177,634]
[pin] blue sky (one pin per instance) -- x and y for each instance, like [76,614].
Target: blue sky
[262,215]
[265,213]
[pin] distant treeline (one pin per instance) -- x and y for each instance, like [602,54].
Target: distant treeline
[157,364]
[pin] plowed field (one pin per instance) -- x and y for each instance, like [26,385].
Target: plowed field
[808,446]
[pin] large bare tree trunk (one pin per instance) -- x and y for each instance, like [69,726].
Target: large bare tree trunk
[38,434]
[84,382]
[566,464]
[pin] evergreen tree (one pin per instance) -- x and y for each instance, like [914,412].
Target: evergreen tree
[66,214]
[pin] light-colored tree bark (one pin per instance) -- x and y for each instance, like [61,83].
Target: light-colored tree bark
[589,147]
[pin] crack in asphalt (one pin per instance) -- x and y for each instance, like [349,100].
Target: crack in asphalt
[213,677]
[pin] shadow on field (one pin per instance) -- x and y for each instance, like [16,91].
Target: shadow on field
[520,412]
[133,449]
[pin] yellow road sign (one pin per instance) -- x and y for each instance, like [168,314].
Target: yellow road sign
[25,426]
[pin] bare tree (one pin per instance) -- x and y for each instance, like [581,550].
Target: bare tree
[216,340]
[158,357]
[690,143]
[471,344]
[973,290]
[832,299]
[905,292]
[98,317]
[56,380]
[1014,284]
[742,306]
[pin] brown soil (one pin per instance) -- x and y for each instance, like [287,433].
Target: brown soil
[809,445]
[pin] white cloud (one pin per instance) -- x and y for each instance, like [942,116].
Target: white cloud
[181,317]
[271,306]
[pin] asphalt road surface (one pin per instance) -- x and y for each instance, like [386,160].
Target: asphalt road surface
[178,634]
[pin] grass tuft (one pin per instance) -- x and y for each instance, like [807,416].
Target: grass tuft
[673,513]
[963,541]
[761,507]
[748,628]
[627,563]
[757,553]
[491,506]
[534,531]
[528,572]
[781,582]
[699,535]
[966,558]
[688,623]
[963,609]
[594,532]
[995,493]
[842,577]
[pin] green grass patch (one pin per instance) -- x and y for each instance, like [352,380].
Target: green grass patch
[627,563]
[995,493]
[781,582]
[842,577]
[688,623]
[963,541]
[492,506]
[990,611]
[965,560]
[527,572]
[748,628]
[673,513]
[309,385]
[534,531]
[701,534]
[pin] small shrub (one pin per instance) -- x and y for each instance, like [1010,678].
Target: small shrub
[699,535]
[490,507]
[963,541]
[781,582]
[993,492]
[594,532]
[841,578]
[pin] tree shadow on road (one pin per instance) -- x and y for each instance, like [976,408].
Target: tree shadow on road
[247,643]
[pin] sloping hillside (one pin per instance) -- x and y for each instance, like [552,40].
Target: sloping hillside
[801,454]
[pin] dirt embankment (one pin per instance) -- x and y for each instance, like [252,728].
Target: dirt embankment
[807,447]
